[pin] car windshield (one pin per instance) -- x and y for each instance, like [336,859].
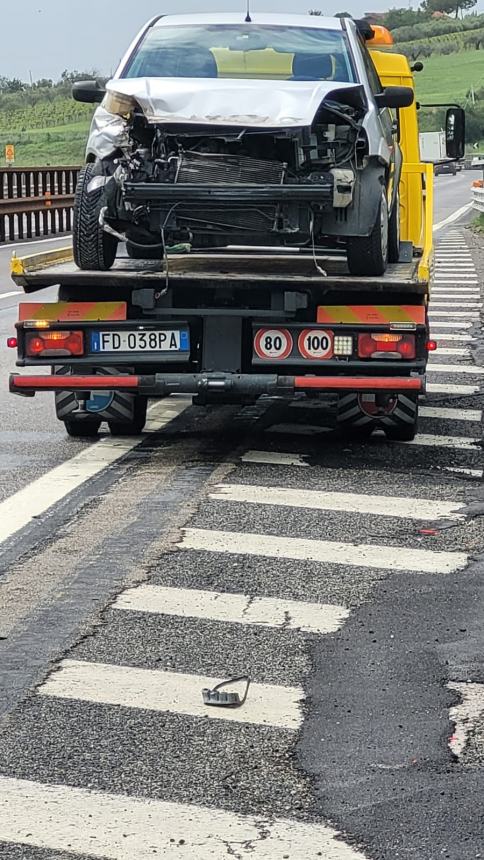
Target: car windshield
[243,51]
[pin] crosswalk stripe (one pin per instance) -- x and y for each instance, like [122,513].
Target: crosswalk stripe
[274,458]
[451,414]
[234,608]
[171,692]
[390,506]
[457,368]
[121,827]
[445,388]
[328,552]
[458,442]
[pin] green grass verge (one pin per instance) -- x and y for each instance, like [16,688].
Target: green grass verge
[478,224]
[448,78]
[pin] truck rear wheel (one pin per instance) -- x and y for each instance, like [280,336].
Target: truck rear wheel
[80,428]
[94,249]
[368,255]
[135,426]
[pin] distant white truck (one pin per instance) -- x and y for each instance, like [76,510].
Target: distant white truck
[433,149]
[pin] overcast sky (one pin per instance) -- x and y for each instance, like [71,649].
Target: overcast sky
[43,37]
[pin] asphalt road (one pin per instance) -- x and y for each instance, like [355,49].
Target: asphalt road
[343,577]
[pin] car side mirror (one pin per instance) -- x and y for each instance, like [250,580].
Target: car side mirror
[88,91]
[455,132]
[395,97]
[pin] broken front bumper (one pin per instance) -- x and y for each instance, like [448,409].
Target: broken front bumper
[164,195]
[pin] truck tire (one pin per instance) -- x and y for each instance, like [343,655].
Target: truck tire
[81,428]
[135,426]
[359,416]
[94,249]
[394,232]
[368,255]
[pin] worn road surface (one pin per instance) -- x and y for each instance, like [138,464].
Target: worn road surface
[344,578]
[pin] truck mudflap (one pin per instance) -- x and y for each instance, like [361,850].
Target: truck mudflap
[224,384]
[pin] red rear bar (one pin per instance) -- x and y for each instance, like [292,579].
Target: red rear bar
[356,383]
[72,383]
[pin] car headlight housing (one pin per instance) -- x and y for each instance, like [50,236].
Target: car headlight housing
[119,104]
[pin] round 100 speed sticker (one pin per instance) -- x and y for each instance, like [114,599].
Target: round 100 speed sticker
[273,343]
[315,344]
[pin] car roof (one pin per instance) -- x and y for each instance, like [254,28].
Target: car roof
[314,21]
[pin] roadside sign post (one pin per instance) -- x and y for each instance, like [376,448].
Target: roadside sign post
[10,154]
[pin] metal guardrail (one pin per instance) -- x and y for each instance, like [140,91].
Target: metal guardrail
[36,201]
[478,197]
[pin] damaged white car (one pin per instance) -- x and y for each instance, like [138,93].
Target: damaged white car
[218,131]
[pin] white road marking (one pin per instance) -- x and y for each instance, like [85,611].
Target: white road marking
[20,245]
[457,368]
[474,473]
[327,552]
[436,294]
[11,293]
[466,316]
[445,388]
[460,443]
[171,692]
[453,304]
[449,350]
[383,506]
[466,713]
[458,324]
[234,608]
[274,458]
[462,280]
[451,414]
[454,217]
[120,827]
[442,335]
[36,498]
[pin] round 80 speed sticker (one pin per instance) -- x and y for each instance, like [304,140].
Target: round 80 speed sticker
[315,343]
[273,343]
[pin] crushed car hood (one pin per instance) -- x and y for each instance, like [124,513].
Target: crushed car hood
[223,101]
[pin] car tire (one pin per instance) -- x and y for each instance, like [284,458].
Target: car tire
[137,423]
[94,249]
[81,428]
[368,255]
[394,232]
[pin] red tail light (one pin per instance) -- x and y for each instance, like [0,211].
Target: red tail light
[12,342]
[383,345]
[431,345]
[50,343]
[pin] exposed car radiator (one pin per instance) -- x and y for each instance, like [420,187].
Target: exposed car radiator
[216,169]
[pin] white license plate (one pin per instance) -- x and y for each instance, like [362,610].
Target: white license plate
[140,341]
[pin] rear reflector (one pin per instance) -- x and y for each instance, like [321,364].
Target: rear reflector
[431,345]
[381,344]
[12,342]
[54,343]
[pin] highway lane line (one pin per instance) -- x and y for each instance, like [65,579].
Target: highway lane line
[11,293]
[465,714]
[327,552]
[319,618]
[274,458]
[171,692]
[473,369]
[459,213]
[358,503]
[451,414]
[473,473]
[36,498]
[123,827]
[447,388]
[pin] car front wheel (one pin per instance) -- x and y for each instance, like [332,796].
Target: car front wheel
[94,249]
[368,255]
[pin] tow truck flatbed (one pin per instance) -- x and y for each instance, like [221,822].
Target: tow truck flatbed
[271,269]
